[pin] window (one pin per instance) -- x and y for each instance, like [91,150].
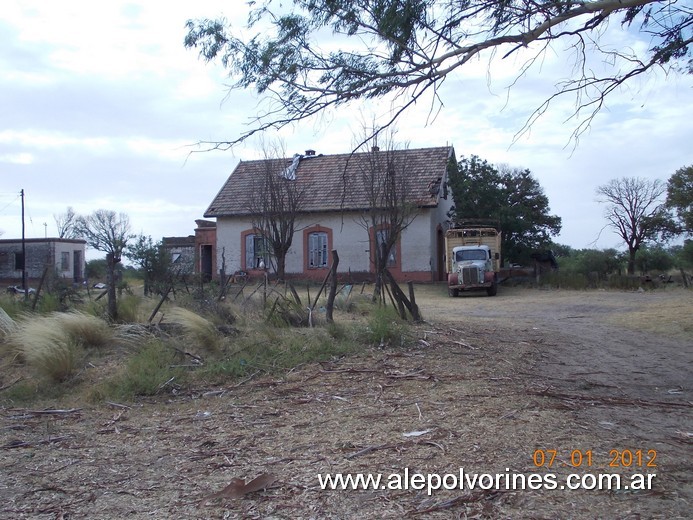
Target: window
[65,261]
[317,250]
[381,236]
[256,252]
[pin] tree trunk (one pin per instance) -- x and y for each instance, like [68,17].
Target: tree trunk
[111,281]
[631,262]
[333,287]
[281,267]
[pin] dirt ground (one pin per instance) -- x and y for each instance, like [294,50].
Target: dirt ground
[489,381]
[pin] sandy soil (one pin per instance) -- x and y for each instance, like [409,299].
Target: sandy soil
[488,382]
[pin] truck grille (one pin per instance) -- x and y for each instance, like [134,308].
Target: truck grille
[469,275]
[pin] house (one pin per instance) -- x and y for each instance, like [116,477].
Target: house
[333,200]
[65,256]
[182,253]
[205,248]
[194,253]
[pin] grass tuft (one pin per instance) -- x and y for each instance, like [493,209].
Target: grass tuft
[46,347]
[148,372]
[385,327]
[84,328]
[198,329]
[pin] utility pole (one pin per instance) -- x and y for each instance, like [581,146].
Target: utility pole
[24,287]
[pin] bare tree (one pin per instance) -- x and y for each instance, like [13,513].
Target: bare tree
[635,210]
[275,200]
[107,232]
[382,177]
[408,48]
[67,223]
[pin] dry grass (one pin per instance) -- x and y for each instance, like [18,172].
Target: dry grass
[54,344]
[198,329]
[45,346]
[84,328]
[7,324]
[670,316]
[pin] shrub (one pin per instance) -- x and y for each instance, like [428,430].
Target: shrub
[385,327]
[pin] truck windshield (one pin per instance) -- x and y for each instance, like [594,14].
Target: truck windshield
[470,254]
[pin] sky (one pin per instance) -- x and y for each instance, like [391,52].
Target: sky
[101,107]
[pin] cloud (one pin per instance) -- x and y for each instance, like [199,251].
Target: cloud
[102,106]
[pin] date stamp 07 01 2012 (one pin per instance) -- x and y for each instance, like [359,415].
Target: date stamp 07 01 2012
[549,458]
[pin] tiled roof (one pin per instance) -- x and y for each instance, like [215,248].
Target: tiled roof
[322,178]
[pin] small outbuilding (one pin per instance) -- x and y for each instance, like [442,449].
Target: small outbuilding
[66,257]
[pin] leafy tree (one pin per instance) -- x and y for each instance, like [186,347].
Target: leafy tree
[635,211]
[684,256]
[512,198]
[561,250]
[601,262]
[680,197]
[408,48]
[106,231]
[152,260]
[96,269]
[650,259]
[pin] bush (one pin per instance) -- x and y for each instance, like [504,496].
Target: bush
[385,327]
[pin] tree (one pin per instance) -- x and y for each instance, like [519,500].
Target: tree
[680,198]
[105,231]
[655,258]
[407,48]
[635,211]
[151,259]
[510,197]
[67,224]
[274,204]
[382,177]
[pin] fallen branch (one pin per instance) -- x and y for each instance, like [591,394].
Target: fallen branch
[369,449]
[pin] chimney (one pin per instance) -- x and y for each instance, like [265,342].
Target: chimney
[310,153]
[375,148]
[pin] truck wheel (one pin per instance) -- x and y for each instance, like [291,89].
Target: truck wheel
[454,293]
[493,290]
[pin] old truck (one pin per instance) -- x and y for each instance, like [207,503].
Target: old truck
[472,259]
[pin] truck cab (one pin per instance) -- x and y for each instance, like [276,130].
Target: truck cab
[473,260]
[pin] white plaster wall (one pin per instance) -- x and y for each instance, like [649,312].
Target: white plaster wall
[416,244]
[349,237]
[229,243]
[70,248]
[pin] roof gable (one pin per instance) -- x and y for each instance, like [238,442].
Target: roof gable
[321,178]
